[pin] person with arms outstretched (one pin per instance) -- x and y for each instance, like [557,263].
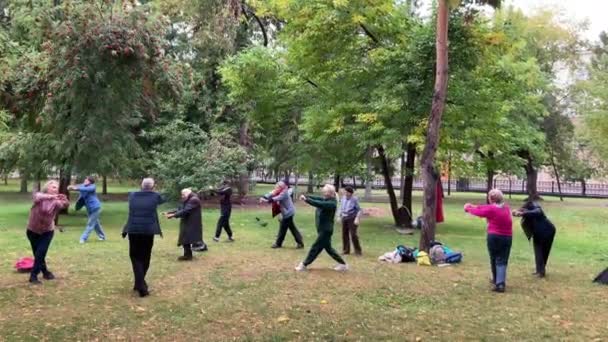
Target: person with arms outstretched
[88,196]
[324,220]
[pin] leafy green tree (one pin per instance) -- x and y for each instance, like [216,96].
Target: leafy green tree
[185,156]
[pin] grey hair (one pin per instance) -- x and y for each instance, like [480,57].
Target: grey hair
[147,184]
[45,188]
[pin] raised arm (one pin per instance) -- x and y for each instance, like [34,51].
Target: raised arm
[188,208]
[479,211]
[321,203]
[86,188]
[532,212]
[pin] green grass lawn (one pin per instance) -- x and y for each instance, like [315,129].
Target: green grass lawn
[246,291]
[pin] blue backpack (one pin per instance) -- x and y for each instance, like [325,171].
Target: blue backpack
[407,254]
[453,257]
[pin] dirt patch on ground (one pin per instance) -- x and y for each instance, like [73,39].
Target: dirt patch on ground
[375,212]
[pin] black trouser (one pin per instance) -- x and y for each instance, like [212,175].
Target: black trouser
[224,222]
[499,248]
[349,231]
[40,246]
[140,251]
[323,242]
[542,247]
[287,223]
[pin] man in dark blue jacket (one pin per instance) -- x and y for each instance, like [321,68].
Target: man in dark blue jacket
[141,227]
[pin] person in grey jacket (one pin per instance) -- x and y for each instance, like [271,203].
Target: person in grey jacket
[280,196]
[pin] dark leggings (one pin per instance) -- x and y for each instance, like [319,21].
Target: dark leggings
[499,248]
[542,247]
[140,251]
[224,222]
[287,224]
[40,245]
[323,242]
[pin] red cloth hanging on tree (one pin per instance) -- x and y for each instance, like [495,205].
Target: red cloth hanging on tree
[439,207]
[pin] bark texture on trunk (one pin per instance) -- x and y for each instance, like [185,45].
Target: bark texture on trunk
[397,217]
[245,142]
[368,173]
[23,184]
[408,186]
[311,178]
[429,175]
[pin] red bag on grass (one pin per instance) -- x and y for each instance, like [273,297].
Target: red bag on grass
[24,264]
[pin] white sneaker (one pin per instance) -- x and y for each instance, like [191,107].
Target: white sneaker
[82,241]
[216,239]
[301,267]
[341,267]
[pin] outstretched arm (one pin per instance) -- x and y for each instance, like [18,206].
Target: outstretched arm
[321,203]
[479,211]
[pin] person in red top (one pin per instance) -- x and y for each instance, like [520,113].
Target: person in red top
[500,235]
[41,226]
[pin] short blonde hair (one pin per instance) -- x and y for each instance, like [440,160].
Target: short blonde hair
[495,196]
[331,189]
[45,188]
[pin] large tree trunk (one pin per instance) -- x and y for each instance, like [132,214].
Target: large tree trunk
[489,182]
[337,181]
[408,186]
[104,185]
[531,178]
[559,185]
[584,186]
[368,174]
[397,217]
[311,180]
[245,142]
[23,185]
[429,175]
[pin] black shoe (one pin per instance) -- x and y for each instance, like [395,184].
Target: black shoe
[48,276]
[35,281]
[143,293]
[300,246]
[275,246]
[345,253]
[500,288]
[200,248]
[185,258]
[230,239]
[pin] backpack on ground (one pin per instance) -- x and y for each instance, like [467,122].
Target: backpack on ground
[406,253]
[24,264]
[453,258]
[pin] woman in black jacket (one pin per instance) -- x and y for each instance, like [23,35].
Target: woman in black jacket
[537,227]
[141,227]
[191,223]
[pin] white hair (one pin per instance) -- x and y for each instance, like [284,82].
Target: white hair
[147,184]
[45,188]
[186,191]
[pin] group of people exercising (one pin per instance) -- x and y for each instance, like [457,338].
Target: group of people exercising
[143,224]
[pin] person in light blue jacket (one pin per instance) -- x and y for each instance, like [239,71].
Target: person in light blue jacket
[88,197]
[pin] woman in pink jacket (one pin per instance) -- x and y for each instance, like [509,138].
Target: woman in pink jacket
[500,234]
[41,226]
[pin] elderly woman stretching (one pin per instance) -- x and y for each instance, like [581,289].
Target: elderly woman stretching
[41,226]
[324,218]
[500,233]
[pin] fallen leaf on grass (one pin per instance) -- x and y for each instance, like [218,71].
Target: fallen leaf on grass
[282,319]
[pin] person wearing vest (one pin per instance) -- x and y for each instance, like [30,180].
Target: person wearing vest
[281,200]
[324,220]
[500,235]
[142,224]
[350,213]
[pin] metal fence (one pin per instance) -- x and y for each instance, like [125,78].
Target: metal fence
[513,186]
